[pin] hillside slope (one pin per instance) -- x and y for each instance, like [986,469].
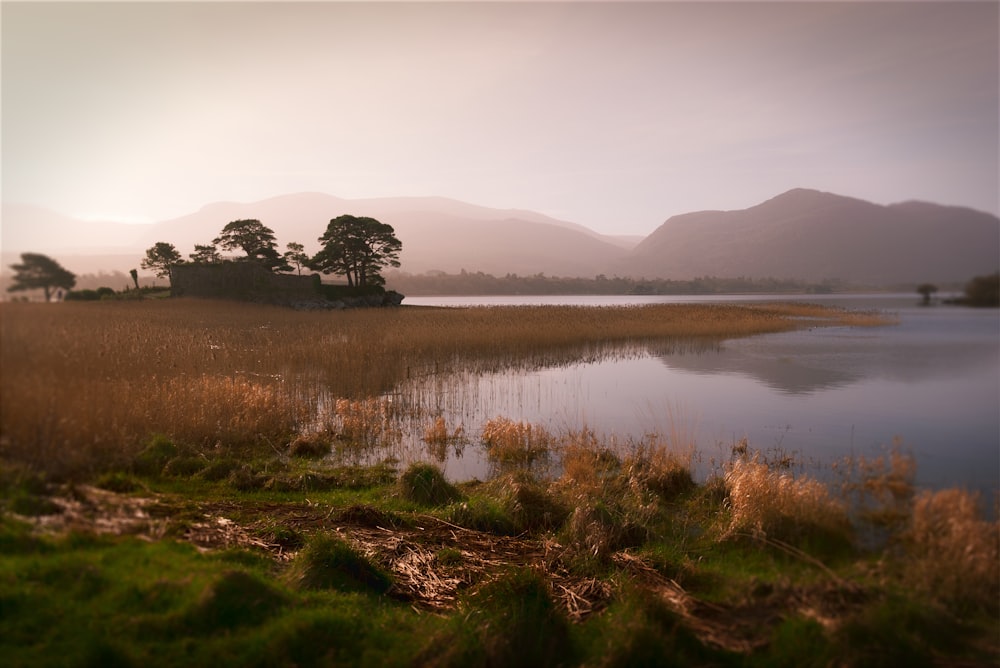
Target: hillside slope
[811,235]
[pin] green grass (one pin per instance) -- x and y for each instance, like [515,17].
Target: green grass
[511,621]
[329,562]
[131,602]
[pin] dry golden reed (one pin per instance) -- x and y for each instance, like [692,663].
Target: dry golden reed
[518,443]
[773,504]
[956,553]
[366,421]
[616,501]
[84,381]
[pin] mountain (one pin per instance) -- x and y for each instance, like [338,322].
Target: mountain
[437,234]
[811,235]
[802,234]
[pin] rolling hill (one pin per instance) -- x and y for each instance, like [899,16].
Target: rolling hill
[802,234]
[437,234]
[811,235]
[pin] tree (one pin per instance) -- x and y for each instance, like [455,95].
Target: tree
[254,239]
[296,256]
[40,271]
[358,247]
[161,257]
[205,253]
[983,291]
[927,289]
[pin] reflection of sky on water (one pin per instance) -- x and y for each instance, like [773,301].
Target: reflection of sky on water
[933,381]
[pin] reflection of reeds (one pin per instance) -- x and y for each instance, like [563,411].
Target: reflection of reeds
[438,439]
[366,421]
[880,489]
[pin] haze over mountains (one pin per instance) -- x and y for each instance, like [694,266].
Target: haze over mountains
[811,235]
[802,234]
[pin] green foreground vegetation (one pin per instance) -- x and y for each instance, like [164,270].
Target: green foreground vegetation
[155,515]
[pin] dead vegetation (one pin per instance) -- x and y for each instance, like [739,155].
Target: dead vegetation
[415,551]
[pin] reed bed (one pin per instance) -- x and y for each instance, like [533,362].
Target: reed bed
[84,382]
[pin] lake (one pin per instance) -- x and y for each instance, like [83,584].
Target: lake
[930,383]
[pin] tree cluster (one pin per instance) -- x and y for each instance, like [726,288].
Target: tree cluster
[355,247]
[479,283]
[983,291]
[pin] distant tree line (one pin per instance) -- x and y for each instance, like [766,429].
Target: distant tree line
[983,291]
[479,283]
[357,248]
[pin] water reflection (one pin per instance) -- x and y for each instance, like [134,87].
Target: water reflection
[785,373]
[932,381]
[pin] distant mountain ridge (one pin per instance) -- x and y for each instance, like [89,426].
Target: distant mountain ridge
[437,233]
[806,235]
[811,235]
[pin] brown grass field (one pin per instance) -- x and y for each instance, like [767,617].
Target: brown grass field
[85,383]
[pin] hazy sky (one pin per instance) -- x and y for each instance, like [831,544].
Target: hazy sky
[612,115]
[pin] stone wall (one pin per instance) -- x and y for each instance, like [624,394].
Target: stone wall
[248,281]
[240,280]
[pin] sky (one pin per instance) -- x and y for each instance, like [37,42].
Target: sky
[611,115]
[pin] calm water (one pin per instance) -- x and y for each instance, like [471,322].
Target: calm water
[931,383]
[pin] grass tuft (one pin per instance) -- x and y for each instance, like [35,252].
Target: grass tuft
[426,485]
[234,599]
[956,552]
[773,504]
[330,562]
[516,444]
[656,468]
[309,446]
[118,482]
[510,621]
[158,450]
[481,513]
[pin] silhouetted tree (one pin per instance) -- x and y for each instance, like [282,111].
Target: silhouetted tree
[927,289]
[983,291]
[359,248]
[254,239]
[40,271]
[296,256]
[160,258]
[205,253]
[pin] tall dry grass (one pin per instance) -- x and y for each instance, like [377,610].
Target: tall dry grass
[511,443]
[616,500]
[767,503]
[83,383]
[955,552]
